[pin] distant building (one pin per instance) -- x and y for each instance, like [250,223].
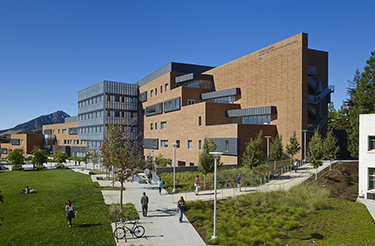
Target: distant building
[24,142]
[366,169]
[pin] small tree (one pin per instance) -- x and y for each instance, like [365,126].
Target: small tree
[60,156]
[293,146]
[162,162]
[106,156]
[276,150]
[87,158]
[330,149]
[95,157]
[253,154]
[40,157]
[16,157]
[315,152]
[206,163]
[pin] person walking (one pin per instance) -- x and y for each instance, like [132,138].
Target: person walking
[196,184]
[144,202]
[69,208]
[149,177]
[239,182]
[295,165]
[180,208]
[160,185]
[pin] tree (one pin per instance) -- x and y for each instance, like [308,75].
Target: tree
[40,157]
[276,149]
[293,146]
[124,149]
[16,157]
[162,162]
[315,152]
[329,147]
[253,154]
[106,157]
[86,158]
[206,163]
[60,156]
[95,157]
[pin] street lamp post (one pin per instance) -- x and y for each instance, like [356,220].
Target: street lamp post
[153,163]
[216,155]
[305,133]
[174,167]
[268,156]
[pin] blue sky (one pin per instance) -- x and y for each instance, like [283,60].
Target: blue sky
[49,50]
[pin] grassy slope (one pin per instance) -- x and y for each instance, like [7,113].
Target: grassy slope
[39,219]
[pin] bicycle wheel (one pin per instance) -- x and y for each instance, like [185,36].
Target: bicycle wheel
[119,233]
[139,231]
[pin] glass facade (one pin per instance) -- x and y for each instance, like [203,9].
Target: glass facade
[230,99]
[257,120]
[102,104]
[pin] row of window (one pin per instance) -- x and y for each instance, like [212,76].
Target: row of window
[258,120]
[70,141]
[164,144]
[166,88]
[49,131]
[118,98]
[163,125]
[92,115]
[90,101]
[91,129]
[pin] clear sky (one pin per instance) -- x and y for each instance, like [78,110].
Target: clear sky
[49,50]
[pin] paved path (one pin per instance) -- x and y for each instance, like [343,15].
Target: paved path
[161,224]
[283,182]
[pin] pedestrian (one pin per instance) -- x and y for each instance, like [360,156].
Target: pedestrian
[239,182]
[149,177]
[160,185]
[144,202]
[180,208]
[295,165]
[75,163]
[69,208]
[196,184]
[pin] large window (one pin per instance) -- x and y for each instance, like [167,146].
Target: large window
[63,131]
[151,93]
[229,99]
[371,143]
[163,125]
[257,120]
[371,178]
[189,144]
[166,87]
[164,143]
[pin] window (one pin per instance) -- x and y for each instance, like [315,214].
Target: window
[151,126]
[164,143]
[156,91]
[161,89]
[190,144]
[191,101]
[177,143]
[371,143]
[156,126]
[371,178]
[166,87]
[58,131]
[200,144]
[152,93]
[77,141]
[226,145]
[63,131]
[199,120]
[191,163]
[64,141]
[163,125]
[53,131]
[21,141]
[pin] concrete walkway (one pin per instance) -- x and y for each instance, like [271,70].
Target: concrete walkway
[161,224]
[284,182]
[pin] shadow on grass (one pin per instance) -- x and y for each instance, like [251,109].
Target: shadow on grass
[87,225]
[315,236]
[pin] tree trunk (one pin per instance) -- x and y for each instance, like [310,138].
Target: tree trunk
[251,173]
[113,177]
[274,165]
[316,173]
[122,185]
[205,181]
[330,164]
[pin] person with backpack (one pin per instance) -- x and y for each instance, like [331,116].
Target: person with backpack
[69,208]
[180,208]
[160,185]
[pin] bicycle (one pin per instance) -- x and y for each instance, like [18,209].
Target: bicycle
[137,230]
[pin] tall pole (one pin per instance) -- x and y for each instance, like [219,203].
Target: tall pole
[174,167]
[268,156]
[153,163]
[215,155]
[305,133]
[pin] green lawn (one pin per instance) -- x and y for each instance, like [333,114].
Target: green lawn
[39,219]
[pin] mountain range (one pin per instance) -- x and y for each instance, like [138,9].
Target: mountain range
[35,125]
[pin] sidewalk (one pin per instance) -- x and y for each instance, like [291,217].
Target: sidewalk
[283,182]
[161,224]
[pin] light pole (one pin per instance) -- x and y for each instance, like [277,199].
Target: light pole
[153,164]
[174,167]
[268,156]
[216,155]
[305,133]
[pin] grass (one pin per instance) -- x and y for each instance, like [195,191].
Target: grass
[39,219]
[257,218]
